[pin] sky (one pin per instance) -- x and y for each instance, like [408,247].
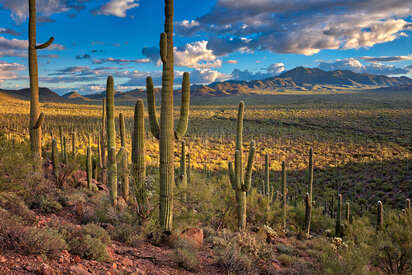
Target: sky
[215,40]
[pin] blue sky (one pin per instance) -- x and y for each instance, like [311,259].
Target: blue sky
[215,40]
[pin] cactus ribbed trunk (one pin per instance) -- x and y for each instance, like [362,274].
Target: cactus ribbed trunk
[348,212]
[36,118]
[55,158]
[379,222]
[267,180]
[240,184]
[308,214]
[166,144]
[65,157]
[89,167]
[189,168]
[111,141]
[308,199]
[338,232]
[138,151]
[103,145]
[124,171]
[408,205]
[284,196]
[183,171]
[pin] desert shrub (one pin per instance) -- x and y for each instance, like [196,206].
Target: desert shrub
[16,206]
[285,259]
[393,245]
[127,233]
[186,255]
[244,249]
[89,248]
[46,204]
[284,249]
[96,232]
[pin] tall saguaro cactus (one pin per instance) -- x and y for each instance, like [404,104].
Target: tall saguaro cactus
[284,195]
[308,199]
[111,140]
[103,145]
[138,150]
[379,222]
[123,159]
[338,231]
[165,131]
[36,118]
[241,183]
[267,177]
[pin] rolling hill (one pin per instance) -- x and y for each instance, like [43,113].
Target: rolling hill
[297,79]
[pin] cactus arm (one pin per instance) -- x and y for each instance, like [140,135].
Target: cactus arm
[151,107]
[45,45]
[163,47]
[248,174]
[39,122]
[184,107]
[232,175]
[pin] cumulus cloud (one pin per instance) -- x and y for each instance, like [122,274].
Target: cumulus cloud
[117,7]
[8,71]
[196,55]
[206,76]
[270,71]
[19,8]
[298,26]
[355,65]
[120,61]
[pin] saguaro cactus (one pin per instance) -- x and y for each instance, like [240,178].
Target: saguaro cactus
[55,158]
[124,159]
[284,195]
[36,118]
[138,150]
[408,205]
[165,132]
[267,180]
[183,171]
[338,224]
[308,214]
[308,199]
[189,168]
[89,166]
[241,183]
[74,143]
[348,212]
[65,157]
[379,222]
[103,146]
[111,141]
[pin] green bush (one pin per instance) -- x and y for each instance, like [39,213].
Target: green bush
[285,259]
[89,248]
[186,255]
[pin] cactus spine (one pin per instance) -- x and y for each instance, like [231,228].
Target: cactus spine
[55,158]
[138,151]
[267,180]
[308,199]
[241,183]
[89,167]
[111,141]
[36,118]
[379,224]
[284,195]
[165,131]
[338,224]
[124,171]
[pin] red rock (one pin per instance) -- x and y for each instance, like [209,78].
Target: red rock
[79,270]
[3,259]
[193,236]
[126,261]
[76,259]
[114,265]
[47,270]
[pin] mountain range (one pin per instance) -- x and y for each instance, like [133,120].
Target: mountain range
[297,79]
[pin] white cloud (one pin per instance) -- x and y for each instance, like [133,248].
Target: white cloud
[117,7]
[18,48]
[206,76]
[387,58]
[300,26]
[355,65]
[8,71]
[196,55]
[120,60]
